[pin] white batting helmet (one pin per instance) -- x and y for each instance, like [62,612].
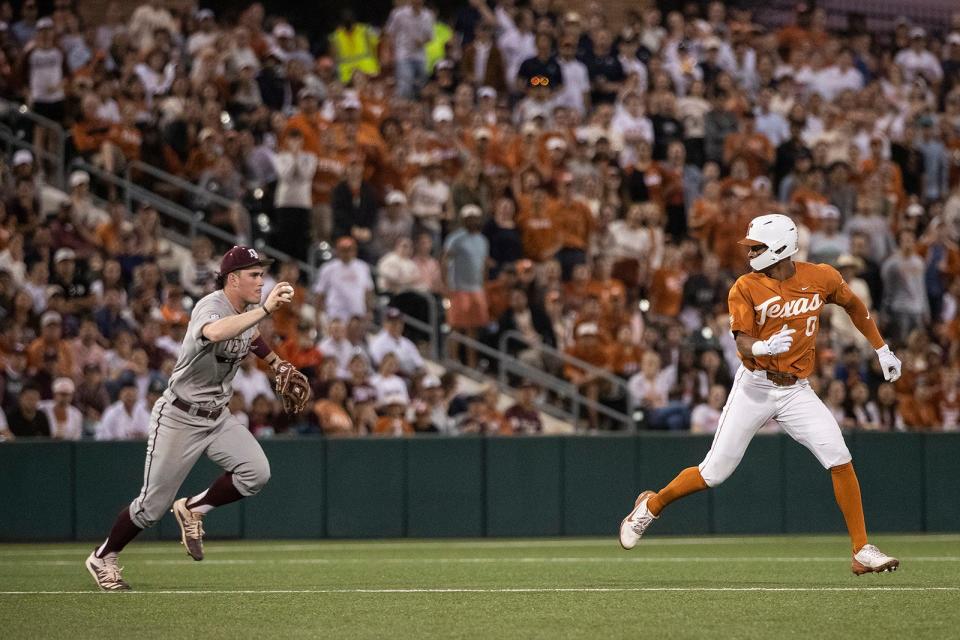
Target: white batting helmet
[778,233]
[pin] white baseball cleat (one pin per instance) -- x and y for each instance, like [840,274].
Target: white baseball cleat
[871,560]
[106,572]
[191,528]
[636,522]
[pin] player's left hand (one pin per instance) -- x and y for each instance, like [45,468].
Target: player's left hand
[889,364]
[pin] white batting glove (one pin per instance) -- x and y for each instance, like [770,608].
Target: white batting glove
[776,344]
[889,363]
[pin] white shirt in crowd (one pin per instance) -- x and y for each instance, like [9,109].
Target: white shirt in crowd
[644,391]
[69,429]
[396,273]
[914,63]
[118,424]
[410,31]
[831,81]
[341,350]
[46,75]
[344,287]
[576,83]
[387,386]
[294,179]
[428,199]
[408,357]
[252,383]
[704,419]
[631,243]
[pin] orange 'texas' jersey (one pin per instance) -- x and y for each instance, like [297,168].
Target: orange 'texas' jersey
[761,306]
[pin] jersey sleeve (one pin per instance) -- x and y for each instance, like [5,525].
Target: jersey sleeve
[210,309]
[741,309]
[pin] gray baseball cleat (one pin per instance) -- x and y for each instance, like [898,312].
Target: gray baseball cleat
[106,572]
[191,528]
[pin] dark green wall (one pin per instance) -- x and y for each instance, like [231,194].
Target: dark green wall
[473,487]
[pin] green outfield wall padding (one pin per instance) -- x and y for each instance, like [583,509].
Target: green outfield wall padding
[366,481]
[292,503]
[889,467]
[599,483]
[445,487]
[808,501]
[942,481]
[660,458]
[36,491]
[523,476]
[108,478]
[473,487]
[751,500]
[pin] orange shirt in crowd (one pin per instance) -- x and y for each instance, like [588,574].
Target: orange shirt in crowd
[761,306]
[625,359]
[107,235]
[595,352]
[38,351]
[89,135]
[539,232]
[810,202]
[666,291]
[389,426]
[299,356]
[754,148]
[574,223]
[333,419]
[311,126]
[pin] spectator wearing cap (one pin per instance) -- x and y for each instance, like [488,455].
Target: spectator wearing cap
[392,421]
[354,205]
[65,420]
[49,346]
[344,285]
[905,296]
[76,288]
[465,254]
[410,28]
[293,199]
[828,242]
[589,347]
[25,419]
[393,222]
[125,419]
[482,63]
[44,64]
[390,339]
[522,417]
[916,61]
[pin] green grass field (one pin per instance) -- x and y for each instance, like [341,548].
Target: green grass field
[764,587]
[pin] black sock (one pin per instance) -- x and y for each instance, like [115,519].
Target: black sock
[123,531]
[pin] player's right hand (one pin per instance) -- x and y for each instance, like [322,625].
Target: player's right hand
[778,343]
[281,294]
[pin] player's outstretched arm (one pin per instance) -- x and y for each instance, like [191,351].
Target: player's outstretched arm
[860,315]
[232,326]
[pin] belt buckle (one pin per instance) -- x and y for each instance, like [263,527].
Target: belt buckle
[194,410]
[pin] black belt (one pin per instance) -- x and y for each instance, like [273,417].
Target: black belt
[194,410]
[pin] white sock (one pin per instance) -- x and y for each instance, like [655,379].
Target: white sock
[202,508]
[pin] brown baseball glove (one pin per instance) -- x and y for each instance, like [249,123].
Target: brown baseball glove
[291,387]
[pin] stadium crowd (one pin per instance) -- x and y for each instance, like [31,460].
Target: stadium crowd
[553,175]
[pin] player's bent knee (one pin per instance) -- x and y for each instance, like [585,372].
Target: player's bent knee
[252,476]
[714,475]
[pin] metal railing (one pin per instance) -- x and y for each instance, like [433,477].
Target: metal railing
[54,158]
[618,386]
[570,402]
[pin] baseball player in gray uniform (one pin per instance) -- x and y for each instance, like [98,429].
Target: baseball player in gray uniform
[191,417]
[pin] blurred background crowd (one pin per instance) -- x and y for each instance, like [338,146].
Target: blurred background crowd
[540,168]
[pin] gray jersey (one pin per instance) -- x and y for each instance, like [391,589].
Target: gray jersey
[204,371]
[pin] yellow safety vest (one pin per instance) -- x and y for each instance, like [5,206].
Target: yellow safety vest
[355,50]
[436,49]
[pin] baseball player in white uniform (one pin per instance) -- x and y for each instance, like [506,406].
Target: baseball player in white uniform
[774,316]
[191,418]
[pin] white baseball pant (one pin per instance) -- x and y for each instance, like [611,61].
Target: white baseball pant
[753,401]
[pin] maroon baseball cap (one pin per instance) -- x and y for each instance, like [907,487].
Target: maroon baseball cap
[242,258]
